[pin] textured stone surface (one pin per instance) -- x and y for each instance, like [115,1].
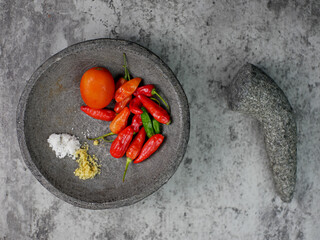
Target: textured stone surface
[223,189]
[51,103]
[254,93]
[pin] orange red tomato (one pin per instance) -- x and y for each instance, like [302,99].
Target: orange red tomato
[97,87]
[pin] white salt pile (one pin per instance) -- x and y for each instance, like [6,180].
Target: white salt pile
[64,145]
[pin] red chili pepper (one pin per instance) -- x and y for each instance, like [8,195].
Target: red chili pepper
[150,147]
[120,82]
[134,149]
[120,121]
[127,89]
[136,122]
[155,110]
[120,145]
[149,90]
[101,114]
[135,106]
[121,105]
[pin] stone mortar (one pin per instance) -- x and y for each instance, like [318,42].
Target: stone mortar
[51,103]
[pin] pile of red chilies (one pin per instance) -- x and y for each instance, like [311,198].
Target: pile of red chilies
[140,103]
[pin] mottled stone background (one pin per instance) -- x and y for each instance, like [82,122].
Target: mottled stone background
[223,189]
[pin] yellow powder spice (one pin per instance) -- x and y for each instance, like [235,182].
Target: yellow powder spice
[88,167]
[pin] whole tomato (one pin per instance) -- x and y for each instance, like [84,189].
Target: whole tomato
[97,87]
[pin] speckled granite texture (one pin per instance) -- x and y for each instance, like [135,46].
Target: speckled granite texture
[254,93]
[223,189]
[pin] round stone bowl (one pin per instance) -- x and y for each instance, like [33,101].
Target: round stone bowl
[50,103]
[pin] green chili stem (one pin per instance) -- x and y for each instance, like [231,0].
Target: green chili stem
[107,140]
[129,160]
[126,71]
[156,100]
[154,92]
[103,136]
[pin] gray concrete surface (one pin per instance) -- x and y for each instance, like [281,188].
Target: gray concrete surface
[223,189]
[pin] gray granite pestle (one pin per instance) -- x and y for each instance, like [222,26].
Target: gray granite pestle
[253,92]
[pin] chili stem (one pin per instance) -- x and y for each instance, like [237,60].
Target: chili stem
[157,94]
[129,160]
[156,100]
[126,71]
[107,140]
[103,136]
